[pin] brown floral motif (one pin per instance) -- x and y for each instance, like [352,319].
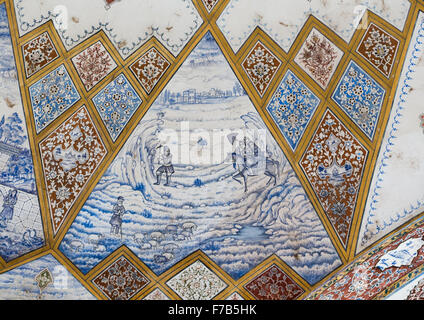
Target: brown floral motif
[149,69]
[379,48]
[319,58]
[417,293]
[70,155]
[333,164]
[121,280]
[38,53]
[93,64]
[210,4]
[274,284]
[261,66]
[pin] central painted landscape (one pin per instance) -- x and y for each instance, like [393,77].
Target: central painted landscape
[189,179]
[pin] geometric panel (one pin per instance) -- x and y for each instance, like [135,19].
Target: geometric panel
[292,107]
[274,284]
[149,69]
[70,155]
[116,104]
[196,282]
[261,66]
[360,97]
[51,96]
[175,199]
[319,58]
[121,280]
[38,53]
[379,48]
[93,64]
[333,164]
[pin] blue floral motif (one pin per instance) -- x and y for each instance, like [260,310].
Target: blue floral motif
[360,97]
[292,107]
[116,104]
[51,96]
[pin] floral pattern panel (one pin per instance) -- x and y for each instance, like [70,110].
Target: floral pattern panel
[51,96]
[38,53]
[149,69]
[197,282]
[70,155]
[333,163]
[116,104]
[360,97]
[379,48]
[274,284]
[261,66]
[292,107]
[93,65]
[121,280]
[319,58]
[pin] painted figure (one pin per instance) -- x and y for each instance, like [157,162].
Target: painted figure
[271,168]
[9,202]
[116,220]
[245,160]
[165,161]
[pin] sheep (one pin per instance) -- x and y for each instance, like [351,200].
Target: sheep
[139,238]
[100,248]
[172,229]
[154,243]
[168,255]
[76,245]
[170,247]
[187,235]
[95,238]
[189,226]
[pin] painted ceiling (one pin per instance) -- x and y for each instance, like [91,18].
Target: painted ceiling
[211,149]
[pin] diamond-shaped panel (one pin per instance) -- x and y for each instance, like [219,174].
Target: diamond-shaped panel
[121,280]
[333,163]
[196,282]
[379,48]
[319,58]
[292,107]
[70,155]
[261,66]
[38,53]
[274,284]
[156,294]
[210,4]
[116,104]
[149,69]
[93,64]
[360,97]
[51,96]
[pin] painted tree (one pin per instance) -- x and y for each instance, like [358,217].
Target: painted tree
[12,130]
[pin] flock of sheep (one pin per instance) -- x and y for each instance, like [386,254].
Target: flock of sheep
[165,240]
